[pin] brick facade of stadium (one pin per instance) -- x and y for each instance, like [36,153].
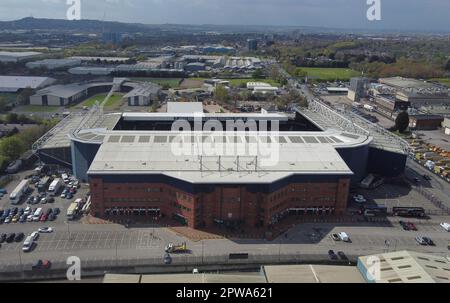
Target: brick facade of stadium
[205,205]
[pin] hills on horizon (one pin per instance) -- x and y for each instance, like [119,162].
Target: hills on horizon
[30,23]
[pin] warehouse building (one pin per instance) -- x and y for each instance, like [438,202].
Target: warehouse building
[13,84]
[417,93]
[143,94]
[14,57]
[405,267]
[54,63]
[91,70]
[60,95]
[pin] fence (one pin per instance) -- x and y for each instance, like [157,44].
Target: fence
[437,202]
[180,263]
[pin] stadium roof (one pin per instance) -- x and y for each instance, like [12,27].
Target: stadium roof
[14,83]
[223,157]
[184,107]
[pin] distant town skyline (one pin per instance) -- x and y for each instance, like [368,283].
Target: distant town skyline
[396,14]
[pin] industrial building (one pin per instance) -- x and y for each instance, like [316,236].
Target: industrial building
[64,95]
[261,87]
[54,63]
[143,94]
[13,84]
[417,93]
[91,70]
[14,57]
[116,60]
[404,267]
[358,89]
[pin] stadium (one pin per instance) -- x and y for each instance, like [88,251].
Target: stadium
[129,161]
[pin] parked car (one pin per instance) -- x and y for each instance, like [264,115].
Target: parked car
[35,235]
[45,230]
[22,219]
[41,264]
[412,226]
[50,200]
[3,238]
[335,237]
[43,218]
[10,238]
[429,241]
[15,219]
[56,211]
[421,240]
[69,196]
[404,225]
[51,217]
[332,255]
[19,237]
[8,219]
[359,199]
[342,255]
[167,259]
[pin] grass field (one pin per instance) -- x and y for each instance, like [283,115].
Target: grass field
[330,74]
[38,109]
[113,102]
[171,82]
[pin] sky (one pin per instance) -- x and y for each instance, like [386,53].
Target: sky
[395,14]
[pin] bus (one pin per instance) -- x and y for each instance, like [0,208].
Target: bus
[19,192]
[414,212]
[72,211]
[374,211]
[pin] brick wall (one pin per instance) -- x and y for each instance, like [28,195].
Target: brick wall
[227,203]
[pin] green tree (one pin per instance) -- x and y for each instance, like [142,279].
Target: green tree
[221,94]
[11,118]
[402,122]
[12,148]
[3,105]
[24,97]
[258,74]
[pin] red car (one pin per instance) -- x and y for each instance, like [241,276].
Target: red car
[43,218]
[412,226]
[41,264]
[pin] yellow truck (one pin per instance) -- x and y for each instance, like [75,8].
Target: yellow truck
[172,248]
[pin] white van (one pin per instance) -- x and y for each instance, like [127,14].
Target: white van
[65,178]
[28,244]
[446,226]
[344,237]
[37,214]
